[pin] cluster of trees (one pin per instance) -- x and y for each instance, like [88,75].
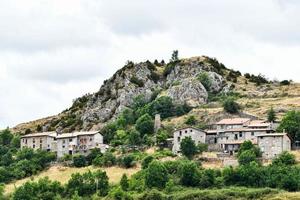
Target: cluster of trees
[135,126]
[258,80]
[80,185]
[16,163]
[291,124]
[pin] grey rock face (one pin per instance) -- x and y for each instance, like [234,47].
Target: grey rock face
[190,91]
[117,93]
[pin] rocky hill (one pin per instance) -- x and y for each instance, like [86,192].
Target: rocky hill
[199,82]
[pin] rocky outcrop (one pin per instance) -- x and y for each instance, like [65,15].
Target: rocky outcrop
[190,91]
[118,92]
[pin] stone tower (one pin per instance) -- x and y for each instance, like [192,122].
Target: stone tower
[157,123]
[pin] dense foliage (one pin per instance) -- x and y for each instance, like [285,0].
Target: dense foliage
[291,124]
[231,106]
[135,125]
[16,163]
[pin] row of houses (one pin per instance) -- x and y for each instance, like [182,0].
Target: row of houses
[67,143]
[228,134]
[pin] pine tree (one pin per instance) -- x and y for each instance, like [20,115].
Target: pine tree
[124,182]
[271,115]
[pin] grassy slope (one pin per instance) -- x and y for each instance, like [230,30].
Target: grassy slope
[63,174]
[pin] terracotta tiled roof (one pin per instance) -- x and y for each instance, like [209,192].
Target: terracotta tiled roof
[233,121]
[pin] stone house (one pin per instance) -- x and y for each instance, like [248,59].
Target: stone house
[44,141]
[79,142]
[273,144]
[197,135]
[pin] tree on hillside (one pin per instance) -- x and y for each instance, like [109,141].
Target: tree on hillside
[248,145]
[174,57]
[231,106]
[145,124]
[291,124]
[188,147]
[271,115]
[191,120]
[246,157]
[285,158]
[156,175]
[124,182]
[205,80]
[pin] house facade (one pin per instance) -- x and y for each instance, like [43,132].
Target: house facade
[273,144]
[197,135]
[79,142]
[231,133]
[67,143]
[44,141]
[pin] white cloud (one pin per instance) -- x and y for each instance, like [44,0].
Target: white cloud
[54,51]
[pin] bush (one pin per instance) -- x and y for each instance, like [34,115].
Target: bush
[271,115]
[285,158]
[92,155]
[285,82]
[156,175]
[291,124]
[246,157]
[137,81]
[42,189]
[231,106]
[205,80]
[127,161]
[188,147]
[88,183]
[79,161]
[191,120]
[189,174]
[145,124]
[107,160]
[124,182]
[146,161]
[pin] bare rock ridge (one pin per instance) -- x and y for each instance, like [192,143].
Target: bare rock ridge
[178,80]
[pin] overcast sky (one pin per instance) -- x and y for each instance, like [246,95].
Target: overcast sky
[52,51]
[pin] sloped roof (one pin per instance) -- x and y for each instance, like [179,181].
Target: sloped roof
[75,134]
[42,134]
[233,121]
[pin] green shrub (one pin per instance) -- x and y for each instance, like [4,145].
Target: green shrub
[231,106]
[88,183]
[189,174]
[205,80]
[146,161]
[156,175]
[79,161]
[285,82]
[285,158]
[191,120]
[246,157]
[145,125]
[188,147]
[42,189]
[124,182]
[137,81]
[107,160]
[127,161]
